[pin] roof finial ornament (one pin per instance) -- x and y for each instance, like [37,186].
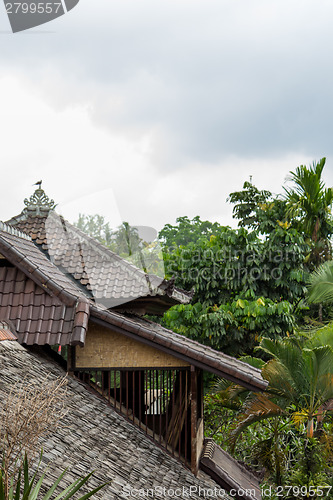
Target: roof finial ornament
[38,203]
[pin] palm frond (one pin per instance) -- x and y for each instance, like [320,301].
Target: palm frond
[321,284]
[318,337]
[229,395]
[281,382]
[255,362]
[258,408]
[285,373]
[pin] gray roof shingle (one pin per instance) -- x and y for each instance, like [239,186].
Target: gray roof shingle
[93,436]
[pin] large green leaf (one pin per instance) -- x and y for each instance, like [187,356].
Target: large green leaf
[321,284]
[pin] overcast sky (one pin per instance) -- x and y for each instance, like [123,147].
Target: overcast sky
[146,110]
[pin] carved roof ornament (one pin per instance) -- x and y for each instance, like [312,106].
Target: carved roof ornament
[38,203]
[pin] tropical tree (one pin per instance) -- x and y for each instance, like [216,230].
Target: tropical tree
[95,226]
[126,240]
[186,231]
[309,205]
[234,327]
[300,376]
[244,287]
[238,263]
[257,209]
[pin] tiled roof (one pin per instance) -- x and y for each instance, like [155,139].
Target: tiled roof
[44,305]
[28,257]
[109,278]
[38,317]
[92,436]
[228,473]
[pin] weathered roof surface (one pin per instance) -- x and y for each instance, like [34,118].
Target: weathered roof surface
[108,277]
[94,437]
[195,353]
[228,473]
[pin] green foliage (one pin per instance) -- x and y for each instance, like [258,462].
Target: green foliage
[247,204]
[310,470]
[186,231]
[272,215]
[244,287]
[219,420]
[262,445]
[238,263]
[126,240]
[309,202]
[300,373]
[234,327]
[31,489]
[258,210]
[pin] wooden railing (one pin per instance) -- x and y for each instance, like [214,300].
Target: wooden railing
[157,401]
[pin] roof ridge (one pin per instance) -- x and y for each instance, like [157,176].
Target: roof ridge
[7,228]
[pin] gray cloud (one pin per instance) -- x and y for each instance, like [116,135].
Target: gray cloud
[228,87]
[210,78]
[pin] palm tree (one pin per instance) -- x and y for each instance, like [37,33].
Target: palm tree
[268,451]
[300,376]
[126,240]
[309,203]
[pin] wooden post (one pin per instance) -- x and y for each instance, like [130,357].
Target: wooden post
[70,359]
[194,419]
